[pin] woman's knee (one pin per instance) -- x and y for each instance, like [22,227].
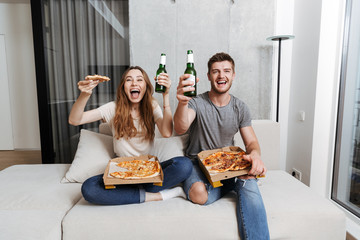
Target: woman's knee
[88,189]
[185,165]
[85,191]
[198,193]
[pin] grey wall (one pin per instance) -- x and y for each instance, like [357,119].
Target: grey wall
[239,28]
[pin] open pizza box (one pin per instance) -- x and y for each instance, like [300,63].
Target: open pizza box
[110,181]
[215,178]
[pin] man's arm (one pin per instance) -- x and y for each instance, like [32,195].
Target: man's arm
[183,116]
[253,151]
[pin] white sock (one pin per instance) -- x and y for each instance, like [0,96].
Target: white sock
[172,193]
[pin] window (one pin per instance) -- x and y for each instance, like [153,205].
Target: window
[346,185]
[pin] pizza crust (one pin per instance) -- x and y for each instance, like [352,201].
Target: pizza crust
[97,77]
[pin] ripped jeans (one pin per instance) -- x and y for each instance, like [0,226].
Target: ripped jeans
[250,210]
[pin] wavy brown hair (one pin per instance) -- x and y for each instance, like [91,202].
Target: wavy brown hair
[123,122]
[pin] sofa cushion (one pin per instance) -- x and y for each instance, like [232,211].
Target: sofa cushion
[31,224]
[172,219]
[33,202]
[37,187]
[96,149]
[294,211]
[163,148]
[92,155]
[166,148]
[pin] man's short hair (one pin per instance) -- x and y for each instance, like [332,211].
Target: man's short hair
[220,57]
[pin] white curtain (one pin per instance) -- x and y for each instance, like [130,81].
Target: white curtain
[82,38]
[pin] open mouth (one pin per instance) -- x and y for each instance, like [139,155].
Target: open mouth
[221,83]
[135,93]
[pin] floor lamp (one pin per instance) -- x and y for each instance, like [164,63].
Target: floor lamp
[279,38]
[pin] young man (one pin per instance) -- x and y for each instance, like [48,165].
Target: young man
[212,119]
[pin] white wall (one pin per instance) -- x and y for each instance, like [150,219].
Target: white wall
[327,89]
[299,60]
[315,60]
[283,26]
[304,63]
[15,24]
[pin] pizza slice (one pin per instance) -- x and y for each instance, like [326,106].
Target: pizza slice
[216,158]
[225,165]
[97,77]
[240,164]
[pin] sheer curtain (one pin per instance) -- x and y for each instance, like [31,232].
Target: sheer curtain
[82,38]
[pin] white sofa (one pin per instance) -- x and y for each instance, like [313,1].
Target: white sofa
[39,202]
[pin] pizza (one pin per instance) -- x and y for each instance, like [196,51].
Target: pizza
[137,169]
[97,77]
[225,161]
[217,158]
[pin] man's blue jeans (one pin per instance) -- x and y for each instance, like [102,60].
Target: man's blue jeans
[175,170]
[250,209]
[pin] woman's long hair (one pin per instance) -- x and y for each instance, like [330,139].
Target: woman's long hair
[123,122]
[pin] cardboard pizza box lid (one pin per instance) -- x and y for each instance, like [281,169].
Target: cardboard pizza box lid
[224,175]
[111,181]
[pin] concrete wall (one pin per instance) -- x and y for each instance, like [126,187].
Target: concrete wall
[207,27]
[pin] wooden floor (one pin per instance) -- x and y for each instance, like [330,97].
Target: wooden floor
[9,158]
[350,237]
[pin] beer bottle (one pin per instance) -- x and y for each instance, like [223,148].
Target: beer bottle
[160,88]
[190,70]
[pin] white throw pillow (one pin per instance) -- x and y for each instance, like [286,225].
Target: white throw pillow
[167,148]
[92,155]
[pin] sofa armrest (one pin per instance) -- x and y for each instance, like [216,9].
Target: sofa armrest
[268,134]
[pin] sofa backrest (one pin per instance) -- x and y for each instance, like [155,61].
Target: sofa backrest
[268,134]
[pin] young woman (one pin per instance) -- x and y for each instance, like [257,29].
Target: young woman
[132,118]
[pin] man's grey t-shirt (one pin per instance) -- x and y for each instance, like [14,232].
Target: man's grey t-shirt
[215,127]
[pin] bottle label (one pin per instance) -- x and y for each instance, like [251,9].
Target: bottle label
[192,78]
[190,58]
[162,59]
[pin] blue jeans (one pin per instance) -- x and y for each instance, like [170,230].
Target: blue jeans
[250,209]
[175,171]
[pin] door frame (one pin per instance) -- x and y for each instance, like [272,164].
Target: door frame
[42,80]
[6,127]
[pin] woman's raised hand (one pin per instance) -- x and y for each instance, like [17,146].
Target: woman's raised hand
[86,86]
[164,79]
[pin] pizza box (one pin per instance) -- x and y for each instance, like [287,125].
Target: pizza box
[110,181]
[215,178]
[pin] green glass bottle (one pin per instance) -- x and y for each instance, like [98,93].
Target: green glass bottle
[191,70]
[160,88]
